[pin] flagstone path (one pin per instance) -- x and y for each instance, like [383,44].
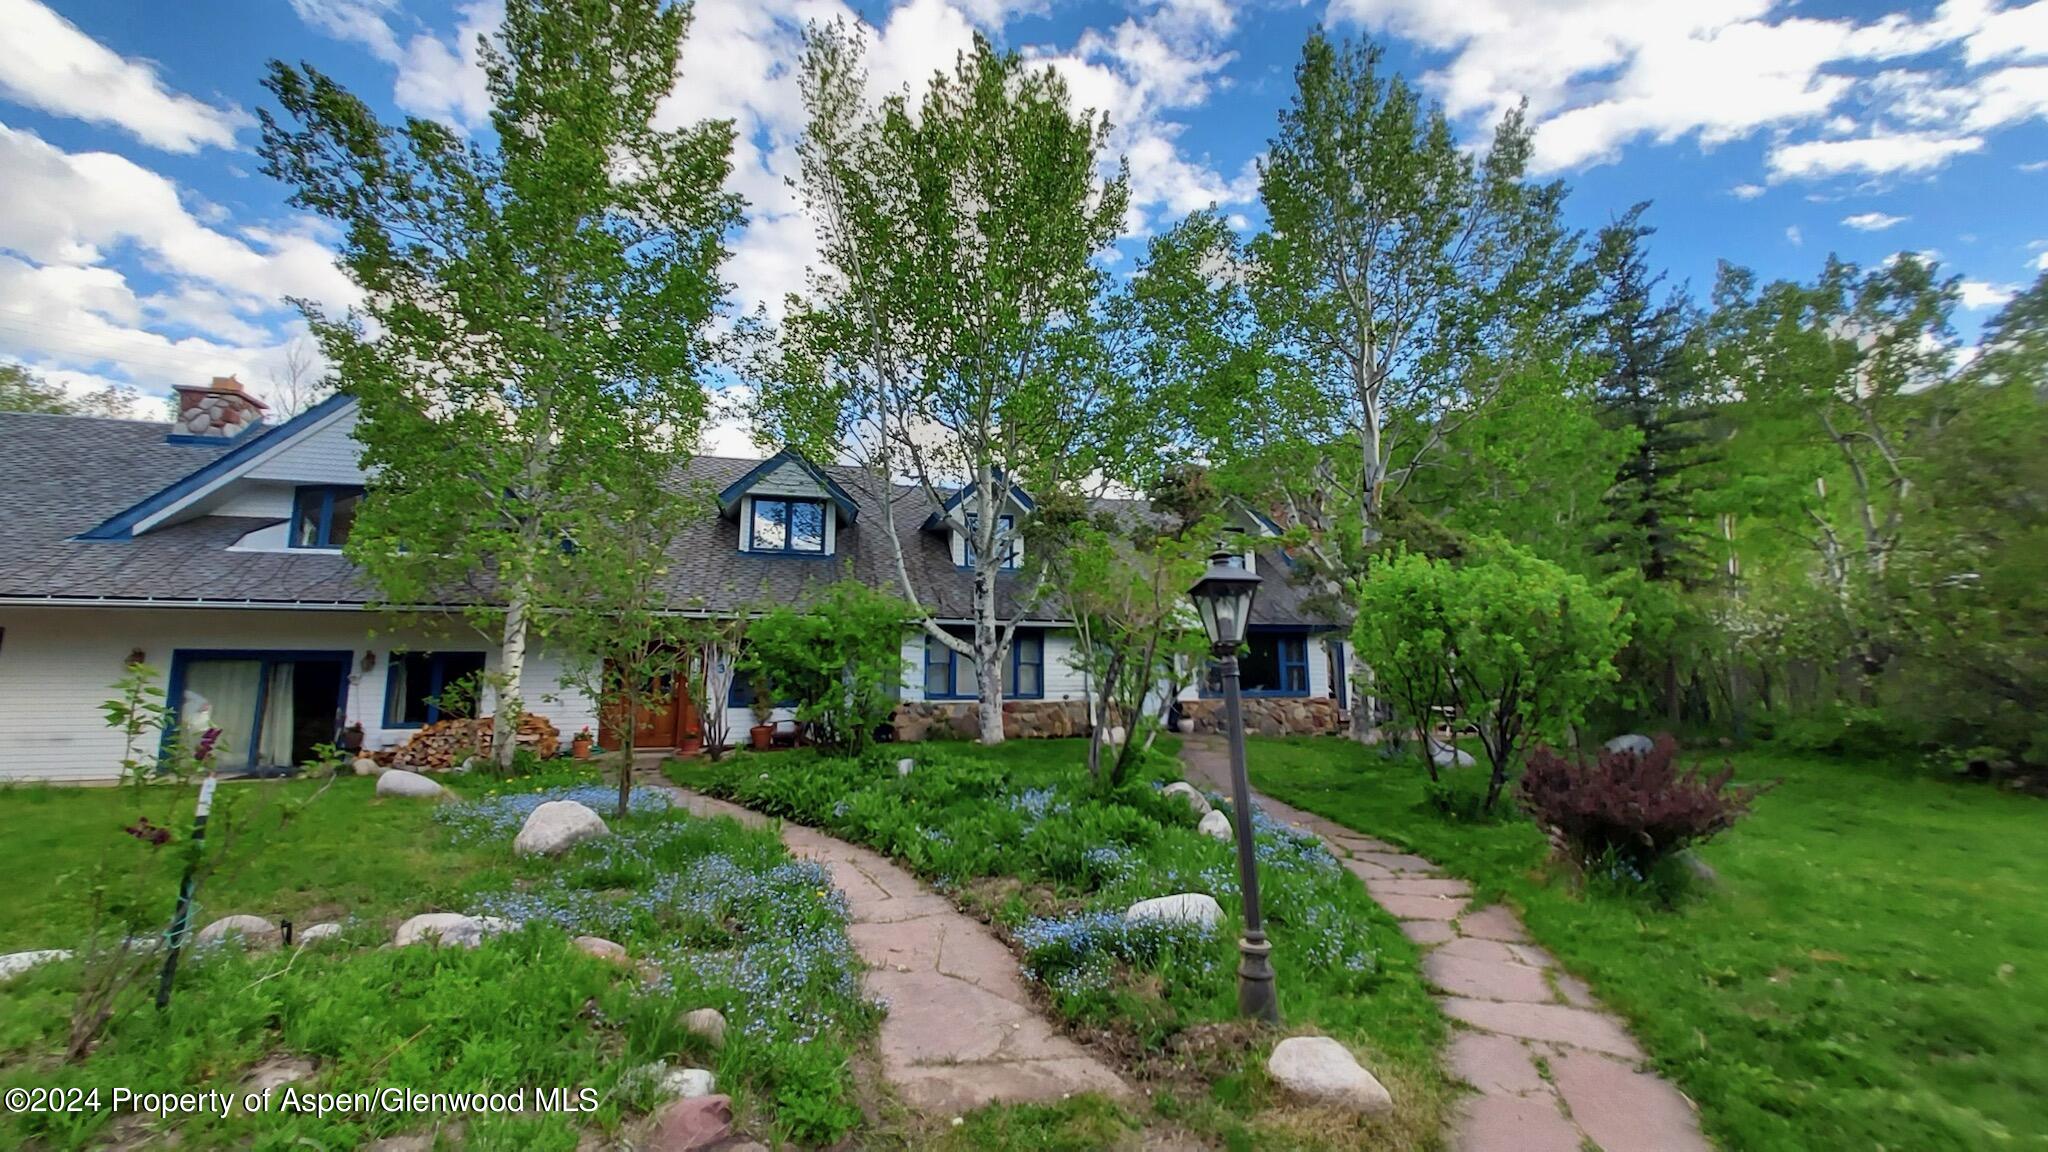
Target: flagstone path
[961,1030]
[1553,1070]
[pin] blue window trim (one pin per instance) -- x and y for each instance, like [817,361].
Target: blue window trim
[952,665]
[437,678]
[824,531]
[326,494]
[181,658]
[1008,524]
[1293,656]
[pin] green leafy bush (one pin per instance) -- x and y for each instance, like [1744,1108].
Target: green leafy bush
[840,659]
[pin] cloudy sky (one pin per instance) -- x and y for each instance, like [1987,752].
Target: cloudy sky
[139,245]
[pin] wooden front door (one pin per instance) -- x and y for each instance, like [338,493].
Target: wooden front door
[667,718]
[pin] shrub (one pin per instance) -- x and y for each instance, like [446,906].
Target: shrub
[1630,810]
[840,660]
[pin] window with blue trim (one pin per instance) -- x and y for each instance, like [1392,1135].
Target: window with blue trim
[949,675]
[1006,535]
[420,684]
[1272,664]
[323,514]
[782,524]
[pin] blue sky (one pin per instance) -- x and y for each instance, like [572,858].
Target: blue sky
[138,243]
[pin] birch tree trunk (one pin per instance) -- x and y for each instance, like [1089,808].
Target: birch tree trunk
[511,677]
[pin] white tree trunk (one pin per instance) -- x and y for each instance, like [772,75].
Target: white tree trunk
[511,678]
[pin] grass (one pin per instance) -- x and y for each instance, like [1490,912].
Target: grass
[731,921]
[1868,971]
[1017,834]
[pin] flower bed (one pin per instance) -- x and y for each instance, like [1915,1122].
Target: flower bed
[976,821]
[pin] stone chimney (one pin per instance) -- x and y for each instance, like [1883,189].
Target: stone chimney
[220,409]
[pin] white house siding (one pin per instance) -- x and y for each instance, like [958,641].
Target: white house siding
[326,455]
[58,664]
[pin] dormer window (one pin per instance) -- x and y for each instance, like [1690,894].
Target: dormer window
[322,515]
[787,524]
[1006,539]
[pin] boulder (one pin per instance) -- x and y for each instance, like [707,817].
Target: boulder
[1450,756]
[1633,743]
[905,765]
[1323,1071]
[1215,824]
[688,1083]
[251,931]
[449,930]
[275,1073]
[692,1123]
[708,1023]
[365,766]
[15,963]
[317,933]
[555,826]
[1189,793]
[1194,908]
[399,782]
[602,948]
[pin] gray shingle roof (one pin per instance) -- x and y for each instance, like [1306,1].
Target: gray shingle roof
[62,475]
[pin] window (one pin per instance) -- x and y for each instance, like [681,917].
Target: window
[322,516]
[420,684]
[949,675]
[1272,664]
[786,525]
[1006,534]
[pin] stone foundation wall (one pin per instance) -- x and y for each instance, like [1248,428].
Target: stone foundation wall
[958,719]
[1271,715]
[1037,719]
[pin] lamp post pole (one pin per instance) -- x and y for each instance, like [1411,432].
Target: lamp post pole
[1255,995]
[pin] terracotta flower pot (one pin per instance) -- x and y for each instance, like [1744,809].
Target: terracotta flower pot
[580,747]
[762,735]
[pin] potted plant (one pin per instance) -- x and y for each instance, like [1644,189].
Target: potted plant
[579,745]
[762,735]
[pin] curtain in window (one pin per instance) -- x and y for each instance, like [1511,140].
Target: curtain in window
[222,694]
[275,745]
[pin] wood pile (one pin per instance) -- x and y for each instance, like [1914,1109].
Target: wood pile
[445,744]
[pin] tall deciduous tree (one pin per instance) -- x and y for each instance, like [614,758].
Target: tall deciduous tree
[951,335]
[1833,368]
[520,291]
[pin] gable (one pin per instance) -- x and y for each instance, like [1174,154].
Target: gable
[326,455]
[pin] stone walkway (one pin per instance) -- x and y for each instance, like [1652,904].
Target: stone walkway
[1554,1072]
[961,1030]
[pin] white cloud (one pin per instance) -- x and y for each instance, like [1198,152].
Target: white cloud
[2041,262]
[1872,221]
[437,78]
[46,62]
[1869,155]
[1746,191]
[1794,236]
[1978,295]
[1602,74]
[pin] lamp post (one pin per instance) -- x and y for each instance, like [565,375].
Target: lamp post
[1223,597]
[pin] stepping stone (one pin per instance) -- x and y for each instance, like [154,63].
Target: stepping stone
[1573,990]
[1427,932]
[1487,951]
[1556,1023]
[1531,954]
[1398,862]
[1422,907]
[1624,1110]
[1364,844]
[1495,1065]
[1513,1124]
[1402,885]
[1486,980]
[1494,922]
[1367,871]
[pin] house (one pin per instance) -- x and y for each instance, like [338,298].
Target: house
[210,549]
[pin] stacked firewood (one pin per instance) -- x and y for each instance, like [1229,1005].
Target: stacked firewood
[445,744]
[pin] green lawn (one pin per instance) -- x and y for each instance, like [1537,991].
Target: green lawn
[723,913]
[345,854]
[1870,971]
[1018,834]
